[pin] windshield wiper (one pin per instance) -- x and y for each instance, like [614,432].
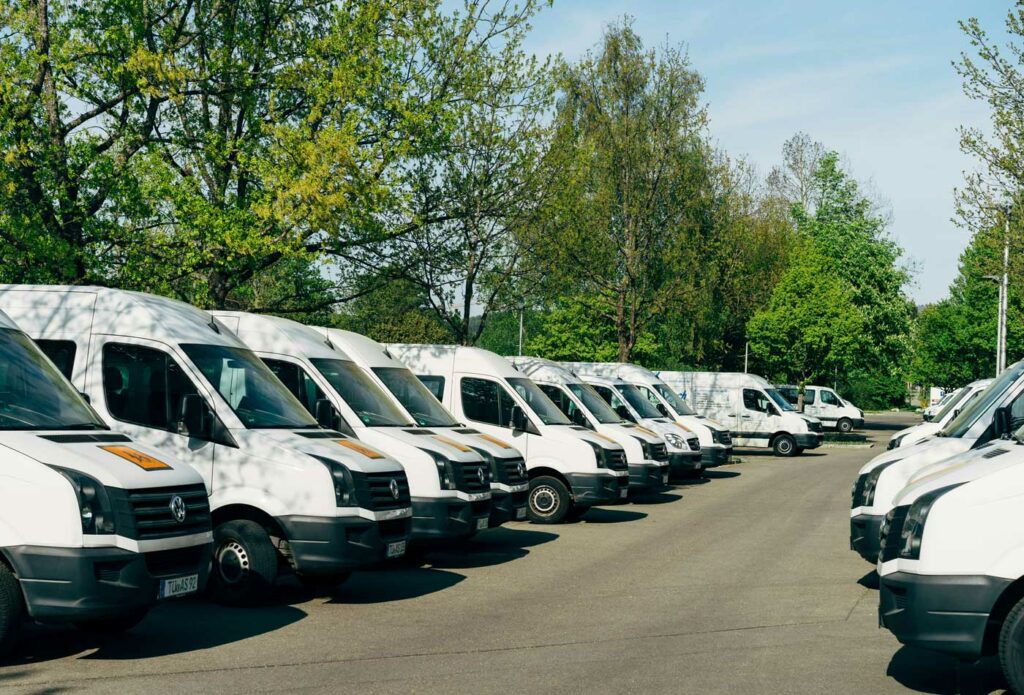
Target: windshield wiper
[84,426]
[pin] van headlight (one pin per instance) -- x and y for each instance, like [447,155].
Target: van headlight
[867,495]
[344,485]
[94,507]
[675,441]
[913,527]
[896,441]
[600,454]
[445,471]
[645,447]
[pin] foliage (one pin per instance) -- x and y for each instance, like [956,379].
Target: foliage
[572,330]
[391,310]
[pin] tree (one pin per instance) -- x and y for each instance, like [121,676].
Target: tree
[793,181]
[392,310]
[572,330]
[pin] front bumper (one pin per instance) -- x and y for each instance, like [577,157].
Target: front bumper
[648,475]
[681,462]
[809,440]
[715,455]
[327,545]
[82,584]
[865,536]
[945,613]
[590,489]
[448,518]
[508,506]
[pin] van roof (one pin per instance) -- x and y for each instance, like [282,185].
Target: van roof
[74,310]
[278,335]
[451,358]
[6,322]
[540,369]
[627,371]
[367,352]
[717,379]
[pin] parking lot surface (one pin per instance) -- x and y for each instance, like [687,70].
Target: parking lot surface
[740,582]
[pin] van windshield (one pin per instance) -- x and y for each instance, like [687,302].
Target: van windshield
[638,401]
[597,406]
[33,394]
[951,405]
[780,400]
[538,401]
[963,422]
[251,390]
[677,403]
[372,405]
[415,397]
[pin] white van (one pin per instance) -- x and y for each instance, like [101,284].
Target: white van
[881,479]
[684,454]
[570,467]
[951,570]
[755,413]
[94,528]
[952,408]
[715,440]
[825,404]
[448,481]
[285,493]
[646,452]
[937,402]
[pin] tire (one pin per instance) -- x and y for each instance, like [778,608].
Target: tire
[12,609]
[324,583]
[549,500]
[784,445]
[244,564]
[1011,648]
[112,626]
[845,425]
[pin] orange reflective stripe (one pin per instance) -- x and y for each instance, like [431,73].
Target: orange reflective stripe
[143,461]
[494,440]
[359,448]
[452,443]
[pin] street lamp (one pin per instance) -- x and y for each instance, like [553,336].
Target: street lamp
[1004,292]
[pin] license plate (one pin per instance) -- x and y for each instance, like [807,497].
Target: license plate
[396,549]
[481,524]
[664,478]
[521,513]
[179,586]
[623,493]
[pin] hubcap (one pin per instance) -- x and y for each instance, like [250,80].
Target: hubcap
[233,562]
[784,446]
[544,500]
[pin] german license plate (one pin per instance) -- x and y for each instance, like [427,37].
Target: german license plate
[623,492]
[481,524]
[178,586]
[521,513]
[396,549]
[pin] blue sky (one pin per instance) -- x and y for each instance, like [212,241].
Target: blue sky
[872,80]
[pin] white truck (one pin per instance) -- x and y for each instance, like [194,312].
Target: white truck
[951,568]
[880,480]
[646,452]
[571,469]
[952,408]
[715,440]
[449,482]
[937,400]
[94,527]
[684,453]
[753,410]
[835,413]
[286,494]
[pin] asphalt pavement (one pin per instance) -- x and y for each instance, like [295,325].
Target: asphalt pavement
[742,582]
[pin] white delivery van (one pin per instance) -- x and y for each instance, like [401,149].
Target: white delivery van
[570,467]
[285,494]
[94,527]
[448,481]
[951,570]
[825,404]
[715,440]
[684,454]
[952,408]
[646,452]
[881,479]
[755,413]
[937,401]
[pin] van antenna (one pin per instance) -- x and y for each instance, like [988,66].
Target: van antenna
[213,325]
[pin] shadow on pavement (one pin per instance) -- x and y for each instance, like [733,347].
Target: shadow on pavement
[654,498]
[869,580]
[768,453]
[397,584]
[715,474]
[877,426]
[604,515]
[931,672]
[493,547]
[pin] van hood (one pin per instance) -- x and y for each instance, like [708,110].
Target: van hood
[922,447]
[628,429]
[113,459]
[423,439]
[501,449]
[355,455]
[712,424]
[969,466]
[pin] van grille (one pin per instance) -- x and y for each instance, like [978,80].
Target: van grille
[721,437]
[375,492]
[814,426]
[659,452]
[693,443]
[891,533]
[168,563]
[471,477]
[616,459]
[145,514]
[510,472]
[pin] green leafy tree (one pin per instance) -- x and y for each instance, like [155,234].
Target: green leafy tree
[573,330]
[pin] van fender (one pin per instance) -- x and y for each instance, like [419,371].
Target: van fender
[554,464]
[250,497]
[1010,565]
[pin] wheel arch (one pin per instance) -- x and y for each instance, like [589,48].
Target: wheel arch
[1000,609]
[234,512]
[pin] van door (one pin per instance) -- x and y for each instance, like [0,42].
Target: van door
[829,407]
[812,401]
[142,388]
[487,406]
[752,424]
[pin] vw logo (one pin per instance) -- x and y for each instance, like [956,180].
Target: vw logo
[393,486]
[480,475]
[178,509]
[522,469]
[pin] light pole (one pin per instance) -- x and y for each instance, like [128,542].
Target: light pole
[1004,295]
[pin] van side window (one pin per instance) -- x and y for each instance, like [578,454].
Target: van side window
[144,386]
[811,394]
[61,353]
[434,384]
[755,400]
[484,400]
[560,398]
[649,395]
[829,398]
[789,393]
[617,404]
[298,382]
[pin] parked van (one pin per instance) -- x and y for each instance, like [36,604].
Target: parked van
[646,452]
[570,467]
[753,410]
[937,401]
[951,571]
[715,440]
[684,454]
[825,404]
[448,481]
[285,493]
[94,527]
[952,408]
[881,479]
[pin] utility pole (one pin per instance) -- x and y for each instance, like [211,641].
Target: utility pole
[1004,294]
[746,349]
[522,310]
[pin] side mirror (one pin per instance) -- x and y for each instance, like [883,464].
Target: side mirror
[578,418]
[1002,422]
[623,412]
[85,397]
[663,410]
[772,410]
[519,421]
[326,415]
[195,416]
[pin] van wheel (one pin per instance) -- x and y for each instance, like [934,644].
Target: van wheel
[323,583]
[112,626]
[845,425]
[244,563]
[1011,648]
[12,609]
[549,500]
[784,445]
